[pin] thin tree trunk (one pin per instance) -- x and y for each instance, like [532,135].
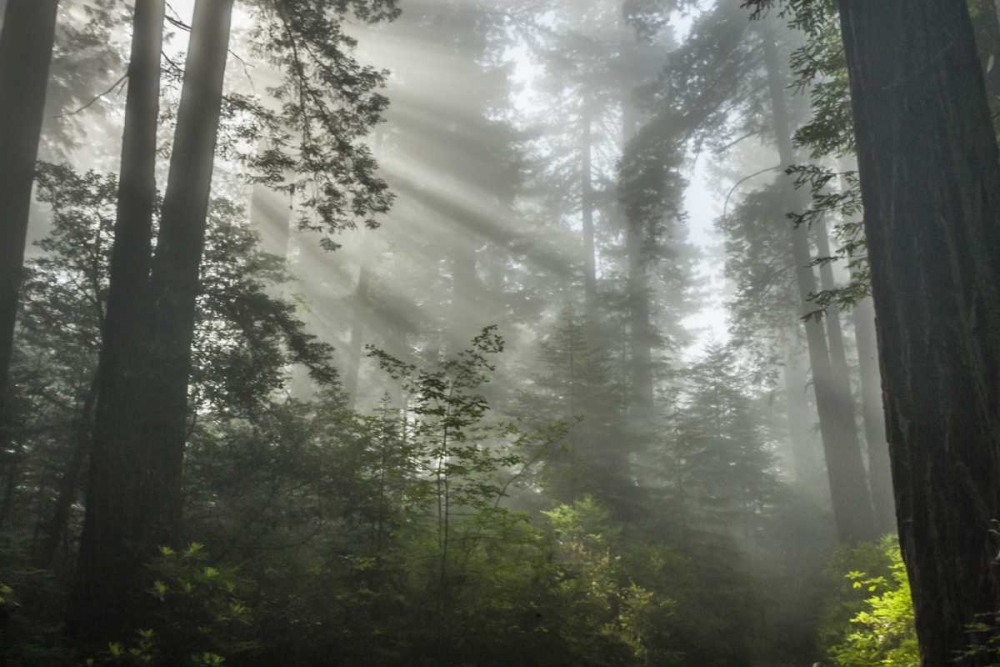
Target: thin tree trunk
[25,55]
[176,265]
[640,327]
[587,215]
[109,565]
[930,181]
[852,508]
[13,470]
[804,454]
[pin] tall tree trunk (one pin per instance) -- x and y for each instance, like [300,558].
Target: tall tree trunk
[640,327]
[176,265]
[879,472]
[108,564]
[840,373]
[804,453]
[930,181]
[852,508]
[587,214]
[25,54]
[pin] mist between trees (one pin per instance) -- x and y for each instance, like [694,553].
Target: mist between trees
[481,333]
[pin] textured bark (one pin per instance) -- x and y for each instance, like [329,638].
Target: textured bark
[879,473]
[176,265]
[109,561]
[852,510]
[25,54]
[930,181]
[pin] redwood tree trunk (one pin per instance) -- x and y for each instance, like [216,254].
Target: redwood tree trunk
[109,562]
[25,54]
[930,181]
[852,509]
[176,265]
[840,373]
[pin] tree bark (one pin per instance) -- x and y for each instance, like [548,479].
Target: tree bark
[25,55]
[174,281]
[852,510]
[109,564]
[930,181]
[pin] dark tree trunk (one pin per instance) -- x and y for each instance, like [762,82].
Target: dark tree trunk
[845,467]
[930,181]
[109,562]
[879,473]
[174,282]
[25,54]
[12,473]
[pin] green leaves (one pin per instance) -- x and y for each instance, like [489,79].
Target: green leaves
[881,630]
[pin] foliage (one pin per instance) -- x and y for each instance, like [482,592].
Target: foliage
[880,630]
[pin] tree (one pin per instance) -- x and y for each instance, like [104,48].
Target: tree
[107,562]
[174,276]
[25,53]
[852,508]
[930,182]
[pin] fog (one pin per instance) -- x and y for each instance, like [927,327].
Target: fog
[508,332]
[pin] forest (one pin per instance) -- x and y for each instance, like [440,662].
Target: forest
[499,333]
